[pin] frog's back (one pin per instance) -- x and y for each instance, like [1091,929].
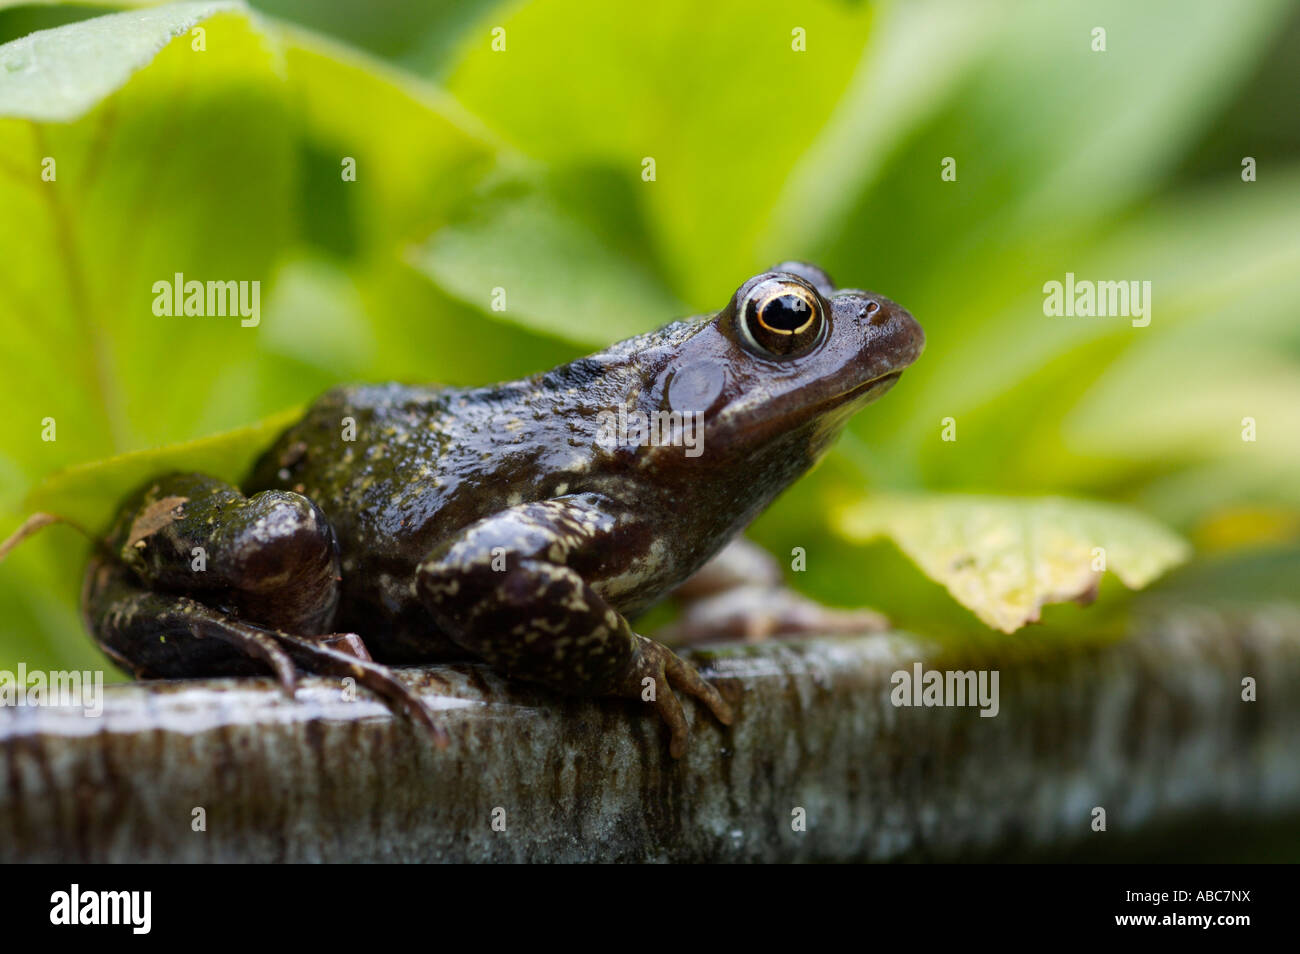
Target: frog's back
[395,469]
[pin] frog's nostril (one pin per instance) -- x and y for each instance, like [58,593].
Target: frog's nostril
[874,314]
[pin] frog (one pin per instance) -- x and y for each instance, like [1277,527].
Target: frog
[524,525]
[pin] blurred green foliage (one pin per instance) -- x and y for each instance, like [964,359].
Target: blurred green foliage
[523,168]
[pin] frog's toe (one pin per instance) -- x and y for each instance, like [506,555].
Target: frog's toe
[280,664]
[670,710]
[314,657]
[349,643]
[685,677]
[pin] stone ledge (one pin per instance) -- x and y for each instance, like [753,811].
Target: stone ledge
[1153,729]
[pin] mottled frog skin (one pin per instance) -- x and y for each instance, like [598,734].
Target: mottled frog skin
[411,524]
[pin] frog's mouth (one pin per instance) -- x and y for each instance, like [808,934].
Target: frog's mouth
[868,390]
[837,409]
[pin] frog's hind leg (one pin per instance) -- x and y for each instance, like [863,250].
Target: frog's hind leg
[163,635]
[160,635]
[740,595]
[195,579]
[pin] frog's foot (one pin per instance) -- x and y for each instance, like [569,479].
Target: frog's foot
[739,595]
[652,675]
[162,635]
[166,635]
[318,656]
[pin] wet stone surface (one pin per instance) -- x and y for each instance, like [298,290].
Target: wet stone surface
[1152,729]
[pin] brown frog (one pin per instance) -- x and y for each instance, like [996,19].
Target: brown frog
[523,524]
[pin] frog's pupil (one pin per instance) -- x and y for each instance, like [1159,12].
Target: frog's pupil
[785,313]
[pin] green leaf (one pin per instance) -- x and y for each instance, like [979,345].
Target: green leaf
[886,99]
[88,494]
[553,273]
[1096,401]
[221,162]
[418,152]
[421,161]
[1049,138]
[58,75]
[1006,558]
[719,97]
[124,197]
[1228,260]
[1031,114]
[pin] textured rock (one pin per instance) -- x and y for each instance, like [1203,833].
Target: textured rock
[1153,729]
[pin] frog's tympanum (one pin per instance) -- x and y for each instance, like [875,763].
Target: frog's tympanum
[521,524]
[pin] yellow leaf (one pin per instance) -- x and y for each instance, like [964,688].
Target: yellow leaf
[1004,558]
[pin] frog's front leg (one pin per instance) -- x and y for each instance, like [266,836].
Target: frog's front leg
[740,594]
[511,589]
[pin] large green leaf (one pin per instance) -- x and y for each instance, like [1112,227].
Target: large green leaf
[216,155]
[137,195]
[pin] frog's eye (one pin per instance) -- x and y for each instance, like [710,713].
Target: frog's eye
[782,317]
